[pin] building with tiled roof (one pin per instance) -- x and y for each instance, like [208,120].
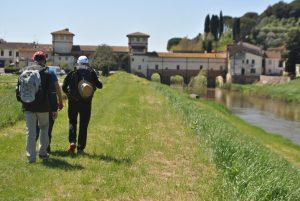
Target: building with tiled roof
[274,62]
[145,63]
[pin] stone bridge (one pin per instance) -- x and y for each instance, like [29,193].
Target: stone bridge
[165,75]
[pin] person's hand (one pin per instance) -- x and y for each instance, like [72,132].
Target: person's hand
[60,106]
[54,115]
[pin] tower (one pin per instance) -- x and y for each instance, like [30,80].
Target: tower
[138,43]
[62,41]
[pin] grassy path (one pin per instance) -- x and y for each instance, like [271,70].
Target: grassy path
[138,148]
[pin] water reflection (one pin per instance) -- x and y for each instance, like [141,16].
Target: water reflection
[272,115]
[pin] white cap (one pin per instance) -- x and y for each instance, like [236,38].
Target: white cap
[83,60]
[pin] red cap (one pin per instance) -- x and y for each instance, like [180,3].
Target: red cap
[39,55]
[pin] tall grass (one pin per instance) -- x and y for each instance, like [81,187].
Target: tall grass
[289,92]
[10,110]
[251,170]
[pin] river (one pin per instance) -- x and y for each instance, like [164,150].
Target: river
[272,115]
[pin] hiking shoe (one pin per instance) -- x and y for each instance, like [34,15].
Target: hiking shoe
[80,151]
[44,157]
[48,149]
[72,148]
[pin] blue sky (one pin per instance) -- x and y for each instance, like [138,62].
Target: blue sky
[108,22]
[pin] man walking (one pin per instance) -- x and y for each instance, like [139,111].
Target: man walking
[34,91]
[57,103]
[80,85]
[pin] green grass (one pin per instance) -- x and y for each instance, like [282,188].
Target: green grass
[138,148]
[147,141]
[289,92]
[10,110]
[252,171]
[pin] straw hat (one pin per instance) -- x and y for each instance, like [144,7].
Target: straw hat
[85,89]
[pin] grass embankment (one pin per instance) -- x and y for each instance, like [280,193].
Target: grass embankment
[289,92]
[138,148]
[252,171]
[147,141]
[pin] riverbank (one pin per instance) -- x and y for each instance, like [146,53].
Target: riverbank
[289,92]
[148,141]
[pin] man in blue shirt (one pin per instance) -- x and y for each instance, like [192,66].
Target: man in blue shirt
[57,98]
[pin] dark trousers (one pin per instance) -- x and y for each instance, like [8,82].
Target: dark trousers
[51,123]
[84,111]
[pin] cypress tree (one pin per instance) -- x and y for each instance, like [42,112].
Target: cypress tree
[207,24]
[221,24]
[214,26]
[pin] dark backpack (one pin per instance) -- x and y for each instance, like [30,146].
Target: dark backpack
[83,76]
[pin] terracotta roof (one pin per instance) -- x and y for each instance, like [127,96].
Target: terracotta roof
[63,31]
[26,46]
[138,34]
[273,54]
[192,55]
[92,48]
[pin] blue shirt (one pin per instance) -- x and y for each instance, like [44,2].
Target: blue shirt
[52,71]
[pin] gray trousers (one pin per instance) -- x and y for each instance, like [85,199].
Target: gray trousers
[32,119]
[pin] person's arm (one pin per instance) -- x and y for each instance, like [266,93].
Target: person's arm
[66,84]
[59,95]
[96,81]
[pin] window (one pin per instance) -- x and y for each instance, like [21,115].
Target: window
[247,61]
[243,61]
[139,67]
[138,39]
[243,71]
[66,58]
[252,71]
[59,58]
[46,55]
[253,61]
[132,59]
[270,62]
[17,54]
[10,53]
[2,52]
[178,67]
[156,67]
[143,60]
[201,67]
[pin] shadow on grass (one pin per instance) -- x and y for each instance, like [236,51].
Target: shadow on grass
[61,164]
[94,156]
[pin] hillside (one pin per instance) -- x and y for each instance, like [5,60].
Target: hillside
[270,28]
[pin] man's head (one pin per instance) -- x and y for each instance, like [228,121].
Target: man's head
[39,57]
[83,60]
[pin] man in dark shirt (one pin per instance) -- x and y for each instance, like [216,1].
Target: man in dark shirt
[79,103]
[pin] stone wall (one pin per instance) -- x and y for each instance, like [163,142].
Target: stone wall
[244,79]
[273,79]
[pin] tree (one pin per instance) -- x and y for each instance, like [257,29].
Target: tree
[236,29]
[207,24]
[293,47]
[214,26]
[103,57]
[173,42]
[221,24]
